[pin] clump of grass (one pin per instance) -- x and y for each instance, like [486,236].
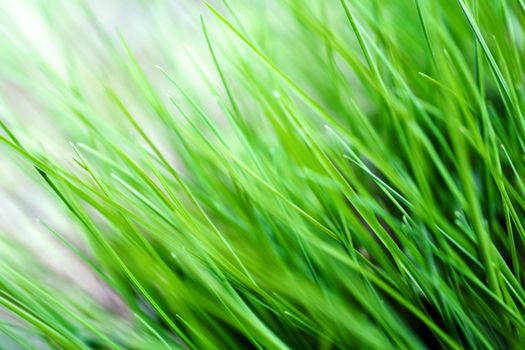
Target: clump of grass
[333,175]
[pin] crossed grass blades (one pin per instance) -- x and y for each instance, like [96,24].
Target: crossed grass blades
[331,175]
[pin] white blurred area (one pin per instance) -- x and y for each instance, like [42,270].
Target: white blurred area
[42,37]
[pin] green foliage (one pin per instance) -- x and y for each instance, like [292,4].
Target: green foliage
[331,174]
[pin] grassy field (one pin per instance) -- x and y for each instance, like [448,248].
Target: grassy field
[266,174]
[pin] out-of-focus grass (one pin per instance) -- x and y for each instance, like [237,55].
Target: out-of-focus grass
[273,174]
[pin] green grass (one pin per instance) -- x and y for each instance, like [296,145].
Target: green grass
[311,175]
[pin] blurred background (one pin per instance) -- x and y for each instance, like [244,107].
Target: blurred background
[44,44]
